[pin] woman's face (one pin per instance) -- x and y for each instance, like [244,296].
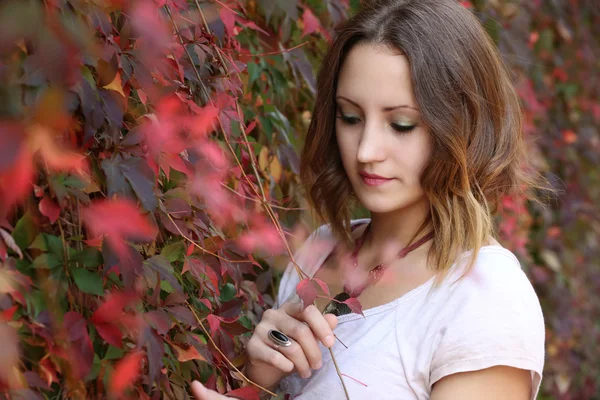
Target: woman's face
[379,129]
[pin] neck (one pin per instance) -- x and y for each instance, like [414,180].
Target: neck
[390,232]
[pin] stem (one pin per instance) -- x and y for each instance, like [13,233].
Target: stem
[222,354]
[202,248]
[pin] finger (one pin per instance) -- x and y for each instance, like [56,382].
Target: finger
[259,352]
[302,334]
[200,392]
[331,320]
[318,323]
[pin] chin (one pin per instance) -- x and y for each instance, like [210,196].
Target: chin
[377,204]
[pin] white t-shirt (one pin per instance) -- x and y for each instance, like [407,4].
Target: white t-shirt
[490,317]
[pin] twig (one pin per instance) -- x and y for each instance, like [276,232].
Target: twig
[207,333]
[202,248]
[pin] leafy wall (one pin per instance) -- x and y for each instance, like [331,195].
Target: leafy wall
[149,172]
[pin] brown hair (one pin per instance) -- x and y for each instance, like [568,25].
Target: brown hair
[466,99]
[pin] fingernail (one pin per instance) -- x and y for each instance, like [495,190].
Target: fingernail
[329,341]
[307,375]
[318,365]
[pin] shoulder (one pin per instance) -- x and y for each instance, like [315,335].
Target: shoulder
[496,271]
[494,290]
[491,316]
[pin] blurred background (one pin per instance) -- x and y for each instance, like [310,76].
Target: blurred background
[149,155]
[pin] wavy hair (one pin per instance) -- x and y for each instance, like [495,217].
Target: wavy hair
[468,102]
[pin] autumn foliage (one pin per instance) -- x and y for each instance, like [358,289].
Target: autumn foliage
[149,183]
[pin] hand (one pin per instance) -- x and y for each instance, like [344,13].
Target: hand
[269,364]
[200,392]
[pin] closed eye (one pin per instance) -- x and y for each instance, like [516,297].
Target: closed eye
[403,128]
[350,120]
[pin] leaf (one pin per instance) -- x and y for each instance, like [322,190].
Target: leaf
[10,242]
[108,315]
[9,355]
[214,322]
[119,220]
[142,179]
[126,372]
[323,285]
[165,270]
[311,23]
[173,251]
[49,209]
[245,393]
[58,157]
[25,231]
[306,291]
[82,352]
[116,183]
[116,85]
[354,305]
[87,281]
[89,257]
[228,19]
[188,354]
[228,291]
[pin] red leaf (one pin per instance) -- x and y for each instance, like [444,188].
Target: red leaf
[207,303]
[111,333]
[354,305]
[16,181]
[307,291]
[245,393]
[49,209]
[107,317]
[214,323]
[81,353]
[119,220]
[228,19]
[7,315]
[311,23]
[126,372]
[323,285]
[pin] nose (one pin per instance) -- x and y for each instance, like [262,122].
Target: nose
[371,147]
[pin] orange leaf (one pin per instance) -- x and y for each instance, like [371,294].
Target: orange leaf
[126,372]
[55,154]
[569,136]
[188,354]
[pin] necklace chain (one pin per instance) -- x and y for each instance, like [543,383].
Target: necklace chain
[376,272]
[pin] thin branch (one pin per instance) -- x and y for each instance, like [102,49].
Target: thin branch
[207,333]
[258,201]
[202,248]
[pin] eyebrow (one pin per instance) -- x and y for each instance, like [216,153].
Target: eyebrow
[384,108]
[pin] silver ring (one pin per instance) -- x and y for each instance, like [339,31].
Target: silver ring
[279,338]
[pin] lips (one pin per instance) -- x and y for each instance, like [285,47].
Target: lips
[373,180]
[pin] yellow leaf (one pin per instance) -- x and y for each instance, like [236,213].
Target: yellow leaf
[263,158]
[275,169]
[116,85]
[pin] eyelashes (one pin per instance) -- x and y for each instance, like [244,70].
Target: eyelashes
[350,120]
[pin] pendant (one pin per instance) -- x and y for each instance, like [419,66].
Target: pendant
[336,308]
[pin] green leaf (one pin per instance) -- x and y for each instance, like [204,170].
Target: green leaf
[89,257]
[87,281]
[253,72]
[228,292]
[173,251]
[113,353]
[47,260]
[25,231]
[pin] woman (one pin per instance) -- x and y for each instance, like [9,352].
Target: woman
[417,120]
